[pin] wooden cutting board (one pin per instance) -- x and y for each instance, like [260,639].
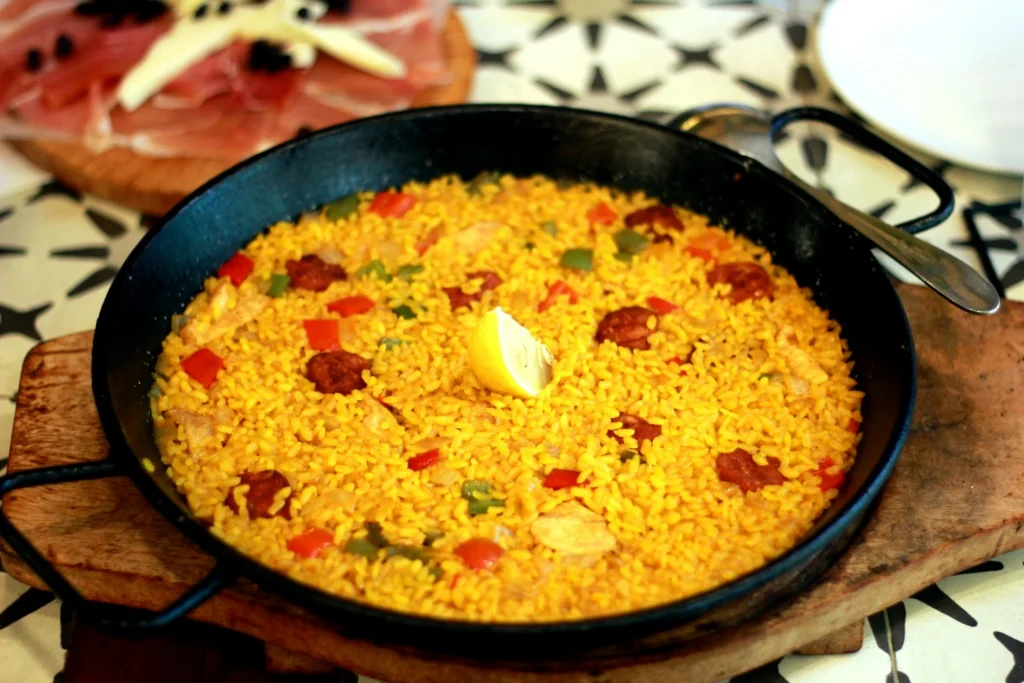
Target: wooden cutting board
[153,186]
[953,502]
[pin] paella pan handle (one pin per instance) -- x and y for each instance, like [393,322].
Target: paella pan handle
[752,132]
[866,138]
[114,617]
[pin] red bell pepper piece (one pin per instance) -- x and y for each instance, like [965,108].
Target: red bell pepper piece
[237,268]
[351,305]
[203,366]
[829,480]
[853,426]
[479,553]
[602,214]
[676,360]
[661,306]
[392,204]
[704,246]
[561,479]
[424,460]
[322,334]
[556,290]
[310,542]
[424,245]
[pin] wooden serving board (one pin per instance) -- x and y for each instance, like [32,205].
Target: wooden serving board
[153,185]
[953,502]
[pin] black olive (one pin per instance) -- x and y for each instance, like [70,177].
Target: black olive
[339,5]
[149,10]
[63,47]
[33,60]
[113,12]
[88,9]
[266,57]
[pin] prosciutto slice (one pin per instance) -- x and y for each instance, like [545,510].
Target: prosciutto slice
[84,119]
[407,28]
[102,56]
[226,106]
[227,71]
[233,134]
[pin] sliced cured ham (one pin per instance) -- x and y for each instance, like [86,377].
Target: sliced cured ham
[236,134]
[331,82]
[407,28]
[104,56]
[63,64]
[85,119]
[215,75]
[308,114]
[16,14]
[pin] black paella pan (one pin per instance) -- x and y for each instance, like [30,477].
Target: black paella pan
[168,267]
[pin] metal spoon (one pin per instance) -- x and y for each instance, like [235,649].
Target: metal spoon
[748,131]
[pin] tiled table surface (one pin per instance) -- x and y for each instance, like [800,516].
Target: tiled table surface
[649,58]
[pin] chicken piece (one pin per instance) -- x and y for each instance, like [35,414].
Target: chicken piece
[475,238]
[379,420]
[220,318]
[800,363]
[573,528]
[198,429]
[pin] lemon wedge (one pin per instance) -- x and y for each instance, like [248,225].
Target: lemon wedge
[506,358]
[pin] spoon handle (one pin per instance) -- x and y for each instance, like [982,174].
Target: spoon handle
[950,277]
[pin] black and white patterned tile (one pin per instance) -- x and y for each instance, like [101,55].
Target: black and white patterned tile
[30,649]
[968,627]
[647,58]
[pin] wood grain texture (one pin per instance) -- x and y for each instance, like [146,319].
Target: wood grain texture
[840,642]
[281,660]
[952,502]
[153,185]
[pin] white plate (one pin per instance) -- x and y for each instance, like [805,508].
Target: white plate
[946,76]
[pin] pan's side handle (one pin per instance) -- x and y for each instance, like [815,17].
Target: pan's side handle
[115,617]
[876,144]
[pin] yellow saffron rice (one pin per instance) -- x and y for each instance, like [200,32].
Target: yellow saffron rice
[771,376]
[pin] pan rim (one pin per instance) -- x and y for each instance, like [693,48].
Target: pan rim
[642,622]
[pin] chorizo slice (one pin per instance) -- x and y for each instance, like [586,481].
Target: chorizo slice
[460,299]
[263,487]
[658,214]
[313,273]
[738,467]
[337,372]
[747,279]
[642,429]
[627,327]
